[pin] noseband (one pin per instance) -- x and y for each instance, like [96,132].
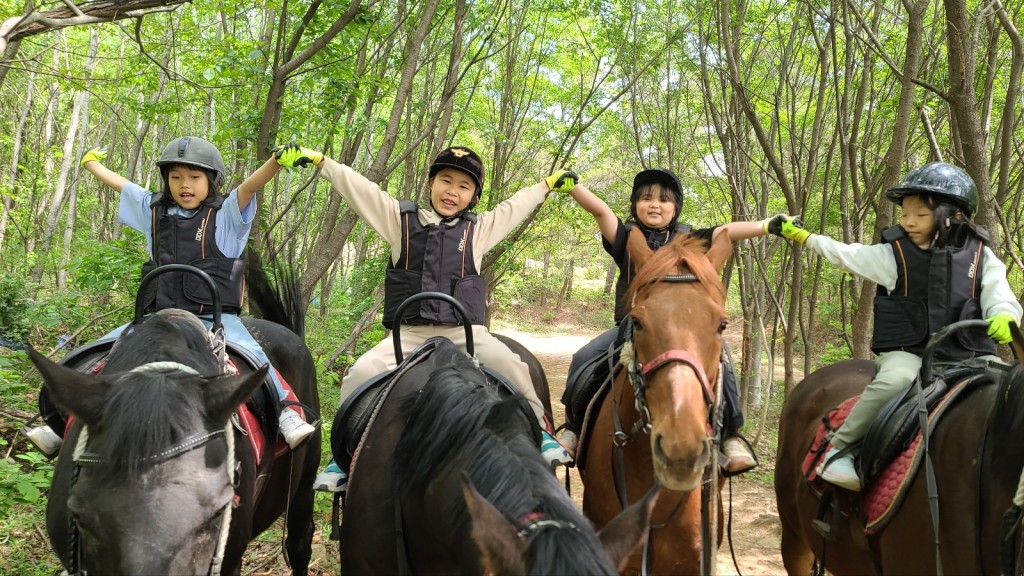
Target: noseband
[638,372]
[84,458]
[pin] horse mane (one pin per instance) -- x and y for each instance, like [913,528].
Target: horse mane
[458,423]
[146,412]
[685,253]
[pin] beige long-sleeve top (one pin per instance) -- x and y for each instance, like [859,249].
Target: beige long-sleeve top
[383,213]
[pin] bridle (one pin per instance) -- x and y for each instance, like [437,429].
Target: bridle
[83,458]
[638,374]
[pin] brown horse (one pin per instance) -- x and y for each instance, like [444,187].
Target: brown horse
[654,427]
[977,457]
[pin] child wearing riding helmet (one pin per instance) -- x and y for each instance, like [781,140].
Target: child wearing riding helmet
[191,222]
[440,248]
[934,239]
[655,206]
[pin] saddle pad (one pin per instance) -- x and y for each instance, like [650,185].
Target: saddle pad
[883,497]
[253,429]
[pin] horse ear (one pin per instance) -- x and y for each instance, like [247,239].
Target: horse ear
[637,248]
[721,250]
[621,537]
[224,393]
[74,392]
[501,551]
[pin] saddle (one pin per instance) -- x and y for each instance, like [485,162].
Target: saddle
[257,418]
[891,452]
[354,418]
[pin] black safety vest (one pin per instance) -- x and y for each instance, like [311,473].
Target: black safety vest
[192,240]
[934,288]
[627,269]
[434,258]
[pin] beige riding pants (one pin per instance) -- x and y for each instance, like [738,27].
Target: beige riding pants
[896,372]
[489,350]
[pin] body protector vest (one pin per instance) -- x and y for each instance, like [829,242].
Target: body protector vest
[934,288]
[627,270]
[192,241]
[434,258]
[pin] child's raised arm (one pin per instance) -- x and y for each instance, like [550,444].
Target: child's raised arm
[288,155]
[91,161]
[607,221]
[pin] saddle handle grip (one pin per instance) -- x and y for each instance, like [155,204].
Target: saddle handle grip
[140,297]
[460,310]
[938,338]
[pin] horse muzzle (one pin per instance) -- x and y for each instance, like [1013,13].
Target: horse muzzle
[679,467]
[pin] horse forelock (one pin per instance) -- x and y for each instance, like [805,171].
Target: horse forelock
[685,254]
[146,412]
[447,432]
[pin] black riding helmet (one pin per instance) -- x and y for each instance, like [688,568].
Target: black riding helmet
[938,179]
[464,159]
[197,153]
[663,176]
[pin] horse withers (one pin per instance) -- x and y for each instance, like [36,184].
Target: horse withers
[152,478]
[977,458]
[654,424]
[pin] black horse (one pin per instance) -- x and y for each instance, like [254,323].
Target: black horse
[152,476]
[449,479]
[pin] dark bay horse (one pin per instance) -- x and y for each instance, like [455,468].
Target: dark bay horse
[152,468]
[977,456]
[654,427]
[450,480]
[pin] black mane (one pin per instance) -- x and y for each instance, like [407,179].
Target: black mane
[459,423]
[149,411]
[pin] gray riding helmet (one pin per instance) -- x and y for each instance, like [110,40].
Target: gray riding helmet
[192,151]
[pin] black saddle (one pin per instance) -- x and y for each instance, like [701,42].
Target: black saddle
[898,422]
[356,412]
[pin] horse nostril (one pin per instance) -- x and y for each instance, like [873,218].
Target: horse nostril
[659,451]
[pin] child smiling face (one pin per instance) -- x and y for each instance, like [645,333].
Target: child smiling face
[189,186]
[451,191]
[656,208]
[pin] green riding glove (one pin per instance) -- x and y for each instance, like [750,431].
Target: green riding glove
[291,154]
[562,180]
[97,154]
[999,328]
[789,227]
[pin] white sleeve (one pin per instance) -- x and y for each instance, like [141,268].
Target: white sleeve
[873,262]
[997,296]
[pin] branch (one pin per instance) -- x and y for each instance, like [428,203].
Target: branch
[33,23]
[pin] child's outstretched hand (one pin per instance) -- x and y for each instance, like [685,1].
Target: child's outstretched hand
[562,180]
[291,154]
[95,154]
[999,328]
[789,227]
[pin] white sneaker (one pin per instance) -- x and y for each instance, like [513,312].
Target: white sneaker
[45,440]
[840,472]
[569,440]
[332,479]
[738,455]
[552,451]
[293,428]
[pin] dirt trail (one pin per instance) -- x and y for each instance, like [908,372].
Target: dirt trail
[755,519]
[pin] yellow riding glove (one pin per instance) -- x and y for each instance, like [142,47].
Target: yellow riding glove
[96,154]
[291,154]
[562,180]
[999,328]
[789,227]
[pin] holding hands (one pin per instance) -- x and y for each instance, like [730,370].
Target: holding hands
[788,227]
[562,180]
[291,154]
[95,154]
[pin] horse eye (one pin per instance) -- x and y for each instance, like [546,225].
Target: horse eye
[722,326]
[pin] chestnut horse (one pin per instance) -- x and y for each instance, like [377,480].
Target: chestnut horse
[654,427]
[977,457]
